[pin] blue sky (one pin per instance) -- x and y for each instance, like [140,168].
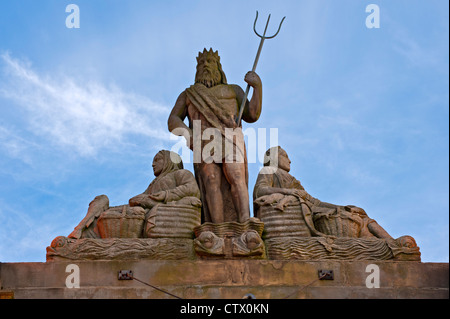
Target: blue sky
[363,113]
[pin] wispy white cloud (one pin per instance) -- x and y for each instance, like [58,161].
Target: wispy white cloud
[416,54]
[421,50]
[85,117]
[16,146]
[27,236]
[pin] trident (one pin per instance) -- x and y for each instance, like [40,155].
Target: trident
[263,37]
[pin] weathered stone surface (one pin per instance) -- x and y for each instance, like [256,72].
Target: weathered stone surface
[286,223]
[168,208]
[230,240]
[121,222]
[299,226]
[227,279]
[63,248]
[175,221]
[211,106]
[231,229]
[328,248]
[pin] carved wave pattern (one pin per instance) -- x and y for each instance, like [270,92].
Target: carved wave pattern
[231,229]
[123,248]
[317,248]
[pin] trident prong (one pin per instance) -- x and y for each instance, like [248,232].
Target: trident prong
[263,37]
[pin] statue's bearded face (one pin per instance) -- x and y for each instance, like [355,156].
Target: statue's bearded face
[208,72]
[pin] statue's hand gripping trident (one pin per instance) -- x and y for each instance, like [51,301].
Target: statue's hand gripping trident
[263,37]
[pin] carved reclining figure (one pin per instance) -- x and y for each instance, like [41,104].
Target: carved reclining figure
[279,189]
[173,186]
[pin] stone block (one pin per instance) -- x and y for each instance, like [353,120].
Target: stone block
[219,279]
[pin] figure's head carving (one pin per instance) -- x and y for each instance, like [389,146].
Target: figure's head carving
[209,70]
[277,157]
[356,210]
[165,162]
[406,241]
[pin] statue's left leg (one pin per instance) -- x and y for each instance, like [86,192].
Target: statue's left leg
[235,175]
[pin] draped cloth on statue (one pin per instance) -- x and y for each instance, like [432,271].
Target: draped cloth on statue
[271,176]
[175,181]
[178,184]
[210,107]
[231,144]
[274,177]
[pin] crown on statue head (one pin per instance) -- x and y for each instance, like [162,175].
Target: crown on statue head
[205,54]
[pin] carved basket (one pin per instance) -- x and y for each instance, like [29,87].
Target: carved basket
[121,222]
[172,221]
[287,223]
[339,224]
